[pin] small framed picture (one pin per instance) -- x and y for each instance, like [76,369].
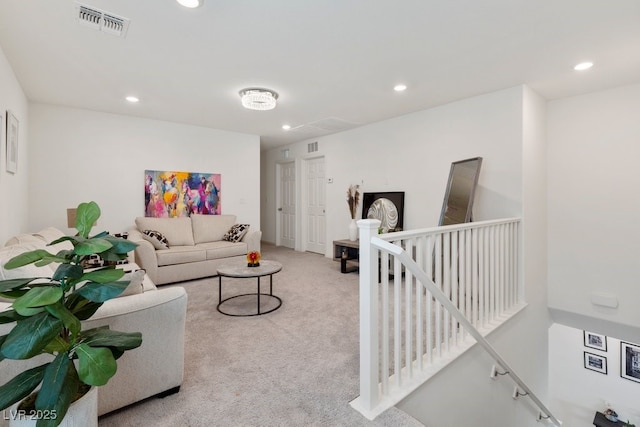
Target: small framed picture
[12,143]
[593,340]
[630,361]
[595,362]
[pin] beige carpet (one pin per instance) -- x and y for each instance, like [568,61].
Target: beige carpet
[296,366]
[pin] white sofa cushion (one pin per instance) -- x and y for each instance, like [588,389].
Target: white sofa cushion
[211,228]
[177,230]
[29,270]
[223,249]
[180,255]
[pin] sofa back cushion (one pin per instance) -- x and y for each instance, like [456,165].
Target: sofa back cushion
[29,270]
[211,228]
[176,230]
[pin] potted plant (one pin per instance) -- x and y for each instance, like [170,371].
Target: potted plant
[48,314]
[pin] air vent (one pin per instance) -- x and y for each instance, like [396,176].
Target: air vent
[99,20]
[312,147]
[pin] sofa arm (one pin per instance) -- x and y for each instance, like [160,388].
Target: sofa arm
[252,239]
[144,254]
[158,364]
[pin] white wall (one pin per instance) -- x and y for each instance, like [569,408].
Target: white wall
[80,155]
[13,187]
[413,153]
[594,205]
[578,392]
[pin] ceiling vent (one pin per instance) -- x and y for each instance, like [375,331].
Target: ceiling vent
[102,21]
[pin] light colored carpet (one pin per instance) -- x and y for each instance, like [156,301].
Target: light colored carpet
[295,366]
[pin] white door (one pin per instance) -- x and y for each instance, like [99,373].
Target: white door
[287,208]
[315,206]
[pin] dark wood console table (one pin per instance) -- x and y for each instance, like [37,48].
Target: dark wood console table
[348,253]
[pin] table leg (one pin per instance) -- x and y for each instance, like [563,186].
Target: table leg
[219,289]
[271,284]
[258,294]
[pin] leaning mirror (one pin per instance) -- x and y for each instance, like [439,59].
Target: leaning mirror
[460,191]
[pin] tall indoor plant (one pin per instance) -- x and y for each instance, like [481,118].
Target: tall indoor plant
[48,314]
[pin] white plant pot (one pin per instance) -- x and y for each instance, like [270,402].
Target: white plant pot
[82,413]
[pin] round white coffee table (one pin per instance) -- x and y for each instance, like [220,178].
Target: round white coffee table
[240,270]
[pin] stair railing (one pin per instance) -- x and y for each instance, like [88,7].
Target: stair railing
[374,262]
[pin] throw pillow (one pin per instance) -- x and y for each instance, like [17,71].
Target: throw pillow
[135,284]
[156,239]
[236,233]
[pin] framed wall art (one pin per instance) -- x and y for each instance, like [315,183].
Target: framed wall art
[630,361]
[593,340]
[595,362]
[386,206]
[180,194]
[12,143]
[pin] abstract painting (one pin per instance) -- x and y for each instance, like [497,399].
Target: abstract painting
[170,194]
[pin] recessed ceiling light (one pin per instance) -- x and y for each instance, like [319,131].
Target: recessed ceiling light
[583,66]
[400,88]
[132,99]
[286,127]
[190,3]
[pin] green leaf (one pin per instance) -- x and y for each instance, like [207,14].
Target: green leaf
[9,316]
[59,386]
[46,260]
[21,386]
[61,312]
[121,246]
[26,258]
[105,275]
[101,292]
[86,215]
[105,337]
[30,336]
[57,345]
[37,297]
[92,246]
[12,284]
[67,270]
[95,365]
[81,307]
[14,294]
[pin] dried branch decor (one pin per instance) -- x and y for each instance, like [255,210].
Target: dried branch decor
[353,198]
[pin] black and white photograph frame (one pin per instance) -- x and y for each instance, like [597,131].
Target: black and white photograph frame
[12,142]
[596,341]
[630,361]
[595,362]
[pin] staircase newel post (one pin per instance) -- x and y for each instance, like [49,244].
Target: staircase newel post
[368,260]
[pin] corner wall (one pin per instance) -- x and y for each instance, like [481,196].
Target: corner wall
[81,155]
[14,188]
[594,208]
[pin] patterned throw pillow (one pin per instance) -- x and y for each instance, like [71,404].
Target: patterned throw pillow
[156,239]
[236,233]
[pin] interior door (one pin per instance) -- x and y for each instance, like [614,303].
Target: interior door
[315,206]
[287,208]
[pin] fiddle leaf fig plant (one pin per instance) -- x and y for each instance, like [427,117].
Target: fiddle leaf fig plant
[48,312]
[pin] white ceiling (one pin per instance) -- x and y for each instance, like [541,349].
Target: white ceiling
[333,62]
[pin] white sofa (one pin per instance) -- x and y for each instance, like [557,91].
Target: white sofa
[195,246]
[154,368]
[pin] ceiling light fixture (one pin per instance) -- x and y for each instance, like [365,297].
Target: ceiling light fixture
[400,88]
[191,3]
[583,66]
[132,99]
[258,99]
[286,127]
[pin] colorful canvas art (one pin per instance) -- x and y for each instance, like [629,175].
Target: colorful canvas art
[180,194]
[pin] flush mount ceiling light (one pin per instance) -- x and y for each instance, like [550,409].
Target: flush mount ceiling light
[258,99]
[190,3]
[583,66]
[132,99]
[400,87]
